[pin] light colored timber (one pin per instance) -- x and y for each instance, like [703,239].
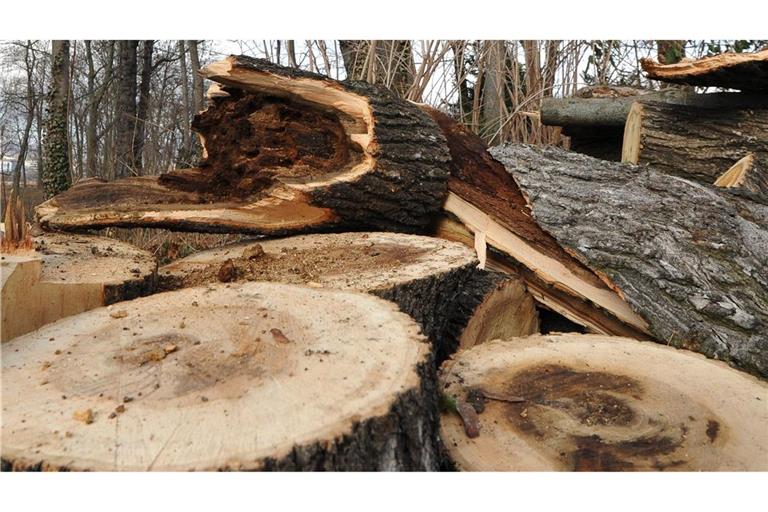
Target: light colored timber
[431,279]
[601,403]
[250,376]
[67,275]
[547,268]
[630,149]
[736,175]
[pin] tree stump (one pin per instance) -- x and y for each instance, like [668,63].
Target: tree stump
[690,259]
[69,274]
[435,281]
[285,151]
[575,402]
[253,376]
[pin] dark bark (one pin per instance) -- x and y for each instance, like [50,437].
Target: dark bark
[690,259]
[125,124]
[697,143]
[142,112]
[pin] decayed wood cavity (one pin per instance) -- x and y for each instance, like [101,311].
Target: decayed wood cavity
[574,402]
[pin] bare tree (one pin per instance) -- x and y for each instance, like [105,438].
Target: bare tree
[125,104]
[56,166]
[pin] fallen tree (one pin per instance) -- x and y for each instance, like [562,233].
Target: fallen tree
[693,142]
[744,71]
[595,125]
[486,210]
[65,275]
[690,259]
[575,402]
[285,151]
[436,282]
[224,378]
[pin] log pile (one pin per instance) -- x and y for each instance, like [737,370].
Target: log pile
[414,270]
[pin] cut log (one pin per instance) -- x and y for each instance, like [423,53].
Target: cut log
[612,112]
[285,151]
[744,71]
[748,178]
[66,275]
[253,376]
[692,142]
[486,201]
[575,402]
[435,281]
[690,259]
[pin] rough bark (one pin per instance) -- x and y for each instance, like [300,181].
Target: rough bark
[692,142]
[490,209]
[435,281]
[574,402]
[690,259]
[125,104]
[66,275]
[744,71]
[142,111]
[286,151]
[198,95]
[349,388]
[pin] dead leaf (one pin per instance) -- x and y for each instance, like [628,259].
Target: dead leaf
[279,337]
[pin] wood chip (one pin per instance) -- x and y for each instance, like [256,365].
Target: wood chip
[469,418]
[501,397]
[86,416]
[279,337]
[170,348]
[119,314]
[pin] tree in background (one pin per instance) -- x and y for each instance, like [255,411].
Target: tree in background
[55,173]
[125,106]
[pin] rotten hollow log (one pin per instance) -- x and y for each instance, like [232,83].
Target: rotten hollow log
[744,71]
[435,281]
[692,142]
[486,210]
[254,376]
[690,259]
[575,402]
[67,274]
[285,151]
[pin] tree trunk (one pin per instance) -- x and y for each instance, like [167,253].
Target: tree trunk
[436,282]
[380,62]
[143,107]
[574,402]
[349,387]
[351,155]
[125,125]
[494,87]
[692,142]
[689,259]
[489,211]
[744,71]
[186,157]
[198,95]
[68,274]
